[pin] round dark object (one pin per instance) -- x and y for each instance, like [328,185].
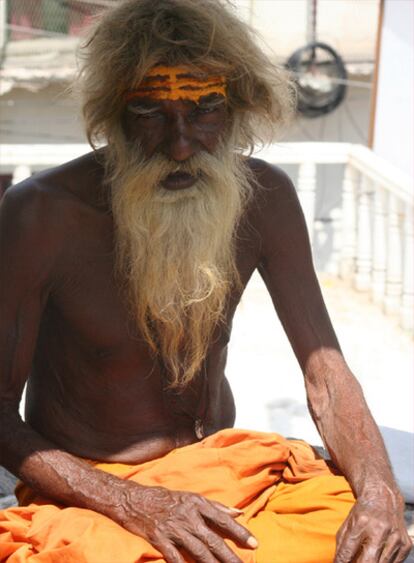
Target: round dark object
[320,77]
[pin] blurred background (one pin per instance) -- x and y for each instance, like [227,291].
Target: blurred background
[349,150]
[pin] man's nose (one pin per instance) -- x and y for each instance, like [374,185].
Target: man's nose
[180,143]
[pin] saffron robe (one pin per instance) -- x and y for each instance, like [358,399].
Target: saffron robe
[293,503]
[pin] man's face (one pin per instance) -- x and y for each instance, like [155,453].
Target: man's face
[176,129]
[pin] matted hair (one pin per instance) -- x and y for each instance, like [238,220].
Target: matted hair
[128,40]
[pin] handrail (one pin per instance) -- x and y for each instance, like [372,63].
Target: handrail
[381,171]
[41,155]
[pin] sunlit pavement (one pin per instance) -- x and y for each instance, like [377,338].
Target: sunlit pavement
[268,384]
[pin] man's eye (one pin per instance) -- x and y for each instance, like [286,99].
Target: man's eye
[152,115]
[206,110]
[142,113]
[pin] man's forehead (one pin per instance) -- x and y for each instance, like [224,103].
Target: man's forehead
[147,102]
[179,83]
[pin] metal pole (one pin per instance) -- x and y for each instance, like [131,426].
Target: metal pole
[311,21]
[374,94]
[251,11]
[3,22]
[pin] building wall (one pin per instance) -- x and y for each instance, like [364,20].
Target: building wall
[49,115]
[394,134]
[347,25]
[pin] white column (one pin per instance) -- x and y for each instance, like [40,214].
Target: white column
[379,246]
[306,193]
[407,306]
[347,261]
[333,266]
[364,257]
[393,283]
[20,173]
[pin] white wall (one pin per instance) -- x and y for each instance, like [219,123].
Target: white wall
[394,133]
[349,26]
[46,116]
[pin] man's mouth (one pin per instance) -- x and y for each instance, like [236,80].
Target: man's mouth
[178,181]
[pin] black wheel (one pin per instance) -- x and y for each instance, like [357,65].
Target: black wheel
[321,78]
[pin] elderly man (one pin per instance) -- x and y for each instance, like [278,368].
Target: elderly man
[121,272]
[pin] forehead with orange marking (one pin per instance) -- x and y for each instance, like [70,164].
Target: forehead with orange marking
[177,83]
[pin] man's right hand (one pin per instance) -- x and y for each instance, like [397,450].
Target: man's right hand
[169,520]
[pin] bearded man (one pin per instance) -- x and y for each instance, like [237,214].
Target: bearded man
[121,274]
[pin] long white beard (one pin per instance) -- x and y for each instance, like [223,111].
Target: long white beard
[175,251]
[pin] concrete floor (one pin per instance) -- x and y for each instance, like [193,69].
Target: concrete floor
[268,384]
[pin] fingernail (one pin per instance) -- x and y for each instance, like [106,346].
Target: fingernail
[236,510]
[252,542]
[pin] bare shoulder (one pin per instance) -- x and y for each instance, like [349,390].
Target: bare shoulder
[50,201]
[276,203]
[54,196]
[271,178]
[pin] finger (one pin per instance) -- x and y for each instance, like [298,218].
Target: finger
[385,550]
[169,552]
[196,548]
[370,554]
[232,510]
[391,551]
[348,545]
[228,525]
[403,553]
[215,543]
[406,550]
[402,557]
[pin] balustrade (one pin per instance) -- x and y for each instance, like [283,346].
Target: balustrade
[373,240]
[306,192]
[393,281]
[362,278]
[407,303]
[349,233]
[384,256]
[379,267]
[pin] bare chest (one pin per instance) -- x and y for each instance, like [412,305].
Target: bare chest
[93,361]
[88,298]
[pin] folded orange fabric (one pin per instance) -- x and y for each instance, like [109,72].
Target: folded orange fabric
[293,503]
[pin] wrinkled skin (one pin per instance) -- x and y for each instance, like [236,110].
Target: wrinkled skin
[374,532]
[95,392]
[171,519]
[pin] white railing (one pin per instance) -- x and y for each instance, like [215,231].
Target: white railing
[372,247]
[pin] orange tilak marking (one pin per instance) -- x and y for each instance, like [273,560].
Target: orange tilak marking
[177,83]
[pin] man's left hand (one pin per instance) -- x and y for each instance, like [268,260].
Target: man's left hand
[374,531]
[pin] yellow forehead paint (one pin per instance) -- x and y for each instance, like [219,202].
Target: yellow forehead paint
[177,83]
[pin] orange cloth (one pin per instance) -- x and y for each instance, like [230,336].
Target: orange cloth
[293,503]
